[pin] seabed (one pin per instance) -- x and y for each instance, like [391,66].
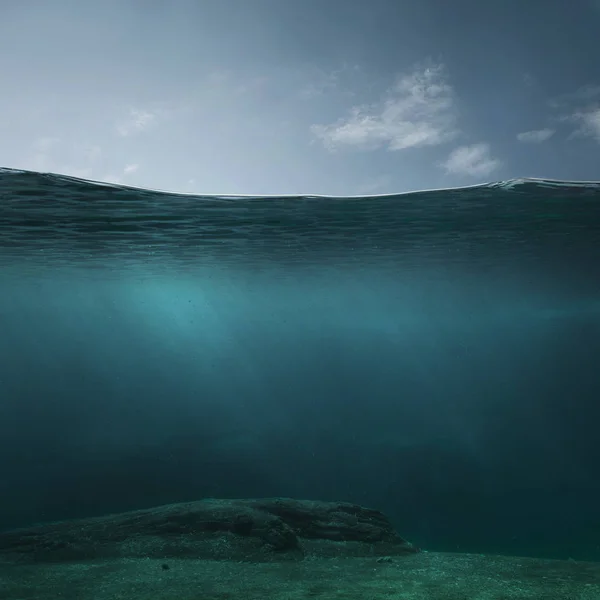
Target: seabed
[423,576]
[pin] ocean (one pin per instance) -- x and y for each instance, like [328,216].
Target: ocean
[432,355]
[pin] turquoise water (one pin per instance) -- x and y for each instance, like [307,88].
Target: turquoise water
[431,354]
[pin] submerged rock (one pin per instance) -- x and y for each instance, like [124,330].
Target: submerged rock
[255,530]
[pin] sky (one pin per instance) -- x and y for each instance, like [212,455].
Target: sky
[340,97]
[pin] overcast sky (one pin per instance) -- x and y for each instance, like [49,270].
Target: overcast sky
[301,96]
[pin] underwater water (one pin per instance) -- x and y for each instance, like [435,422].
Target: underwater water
[434,355]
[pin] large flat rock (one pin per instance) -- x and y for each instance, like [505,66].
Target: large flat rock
[254,549]
[264,530]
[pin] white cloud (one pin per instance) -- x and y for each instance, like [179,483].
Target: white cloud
[418,111]
[535,137]
[68,157]
[581,108]
[137,121]
[120,177]
[589,123]
[586,93]
[475,160]
[132,168]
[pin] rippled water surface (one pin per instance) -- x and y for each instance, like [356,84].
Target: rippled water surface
[49,219]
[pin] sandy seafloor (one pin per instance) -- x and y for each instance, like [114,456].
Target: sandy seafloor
[428,575]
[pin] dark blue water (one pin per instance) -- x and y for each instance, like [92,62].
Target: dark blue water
[434,355]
